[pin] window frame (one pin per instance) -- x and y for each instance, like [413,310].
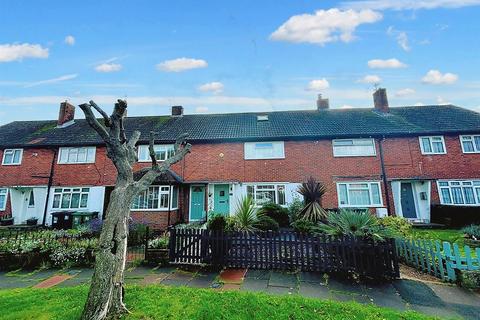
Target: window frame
[170,198]
[63,149]
[370,193]
[353,144]
[472,136]
[168,148]
[461,183]
[13,157]
[431,145]
[63,192]
[246,156]
[275,188]
[5,194]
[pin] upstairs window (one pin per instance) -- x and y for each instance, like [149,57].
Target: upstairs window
[70,198]
[264,150]
[459,192]
[432,145]
[470,144]
[353,147]
[76,155]
[162,152]
[266,193]
[12,157]
[3,198]
[359,194]
[156,198]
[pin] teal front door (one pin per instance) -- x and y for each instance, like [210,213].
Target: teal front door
[221,199]
[197,203]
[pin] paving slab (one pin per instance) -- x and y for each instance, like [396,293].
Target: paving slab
[342,296]
[52,281]
[466,311]
[418,293]
[153,278]
[314,277]
[314,290]
[454,294]
[200,282]
[437,312]
[138,272]
[283,279]
[230,287]
[258,274]
[251,284]
[280,290]
[342,285]
[181,275]
[174,282]
[235,276]
[385,295]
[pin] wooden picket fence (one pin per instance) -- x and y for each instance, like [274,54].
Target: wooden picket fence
[441,260]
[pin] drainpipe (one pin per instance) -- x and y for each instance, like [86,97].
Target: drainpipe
[169,203]
[50,181]
[384,174]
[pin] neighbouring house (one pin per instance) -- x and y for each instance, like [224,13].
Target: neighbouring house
[393,160]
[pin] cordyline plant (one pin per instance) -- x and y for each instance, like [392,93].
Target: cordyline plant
[312,192]
[105,298]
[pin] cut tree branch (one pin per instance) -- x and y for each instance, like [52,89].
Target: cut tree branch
[134,139]
[105,116]
[93,122]
[151,149]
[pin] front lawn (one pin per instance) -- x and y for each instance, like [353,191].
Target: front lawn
[449,235]
[157,302]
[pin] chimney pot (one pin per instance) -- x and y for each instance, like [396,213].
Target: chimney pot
[380,100]
[322,104]
[177,111]
[66,114]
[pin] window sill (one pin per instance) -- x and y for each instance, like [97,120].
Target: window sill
[70,163]
[152,210]
[276,158]
[361,207]
[433,154]
[356,156]
[11,164]
[461,205]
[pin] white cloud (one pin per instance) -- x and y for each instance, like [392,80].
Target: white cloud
[324,26]
[70,40]
[436,77]
[386,64]
[108,67]
[409,4]
[441,101]
[50,81]
[419,104]
[215,87]
[318,85]
[370,79]
[201,109]
[347,106]
[181,64]
[18,52]
[400,36]
[404,92]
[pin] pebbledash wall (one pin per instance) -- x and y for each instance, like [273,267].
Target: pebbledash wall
[224,162]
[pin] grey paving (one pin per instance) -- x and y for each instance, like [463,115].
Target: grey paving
[250,284]
[312,290]
[314,277]
[418,293]
[385,295]
[283,279]
[280,290]
[258,274]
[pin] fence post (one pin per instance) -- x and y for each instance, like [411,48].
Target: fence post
[448,257]
[171,243]
[147,235]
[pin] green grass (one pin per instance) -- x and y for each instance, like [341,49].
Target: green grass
[157,302]
[449,235]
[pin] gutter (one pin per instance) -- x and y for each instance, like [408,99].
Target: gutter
[384,174]
[49,186]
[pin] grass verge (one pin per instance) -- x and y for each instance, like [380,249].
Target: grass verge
[158,302]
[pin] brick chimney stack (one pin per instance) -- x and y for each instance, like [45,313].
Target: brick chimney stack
[380,100]
[322,104]
[66,114]
[177,111]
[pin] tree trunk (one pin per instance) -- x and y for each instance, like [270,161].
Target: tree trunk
[106,291]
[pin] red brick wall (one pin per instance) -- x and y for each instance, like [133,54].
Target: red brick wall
[8,208]
[155,219]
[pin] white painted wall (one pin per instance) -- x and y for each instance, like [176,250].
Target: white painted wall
[19,201]
[422,206]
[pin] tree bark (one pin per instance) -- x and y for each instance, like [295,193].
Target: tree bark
[105,298]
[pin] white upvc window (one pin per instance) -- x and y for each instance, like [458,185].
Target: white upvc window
[459,192]
[432,145]
[162,152]
[70,198]
[156,198]
[12,157]
[353,147]
[470,143]
[264,150]
[359,194]
[266,193]
[3,198]
[70,155]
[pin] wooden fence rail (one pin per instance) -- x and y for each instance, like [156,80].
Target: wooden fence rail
[285,250]
[437,259]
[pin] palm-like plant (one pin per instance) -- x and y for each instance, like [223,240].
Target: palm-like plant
[312,192]
[246,216]
[357,224]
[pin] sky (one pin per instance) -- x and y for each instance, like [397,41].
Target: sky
[235,56]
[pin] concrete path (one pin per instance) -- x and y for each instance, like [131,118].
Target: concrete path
[440,300]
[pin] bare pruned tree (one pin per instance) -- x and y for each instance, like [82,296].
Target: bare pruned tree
[105,298]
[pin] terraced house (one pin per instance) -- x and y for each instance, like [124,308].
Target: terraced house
[397,160]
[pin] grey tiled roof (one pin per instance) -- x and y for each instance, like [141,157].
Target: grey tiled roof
[285,125]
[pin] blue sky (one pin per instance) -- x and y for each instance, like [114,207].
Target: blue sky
[235,56]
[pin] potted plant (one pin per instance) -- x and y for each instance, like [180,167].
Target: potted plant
[32,221]
[6,221]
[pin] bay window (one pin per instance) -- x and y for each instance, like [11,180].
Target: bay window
[157,198]
[459,193]
[470,144]
[162,152]
[359,194]
[70,198]
[267,193]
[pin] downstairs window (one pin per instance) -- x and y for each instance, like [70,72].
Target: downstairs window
[460,193]
[157,198]
[266,193]
[359,194]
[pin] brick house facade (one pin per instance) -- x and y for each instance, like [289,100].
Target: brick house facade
[387,159]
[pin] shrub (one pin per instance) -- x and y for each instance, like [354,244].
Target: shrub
[277,213]
[472,232]
[216,222]
[95,225]
[266,223]
[351,223]
[312,191]
[246,216]
[305,226]
[470,279]
[294,209]
[398,226]
[159,242]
